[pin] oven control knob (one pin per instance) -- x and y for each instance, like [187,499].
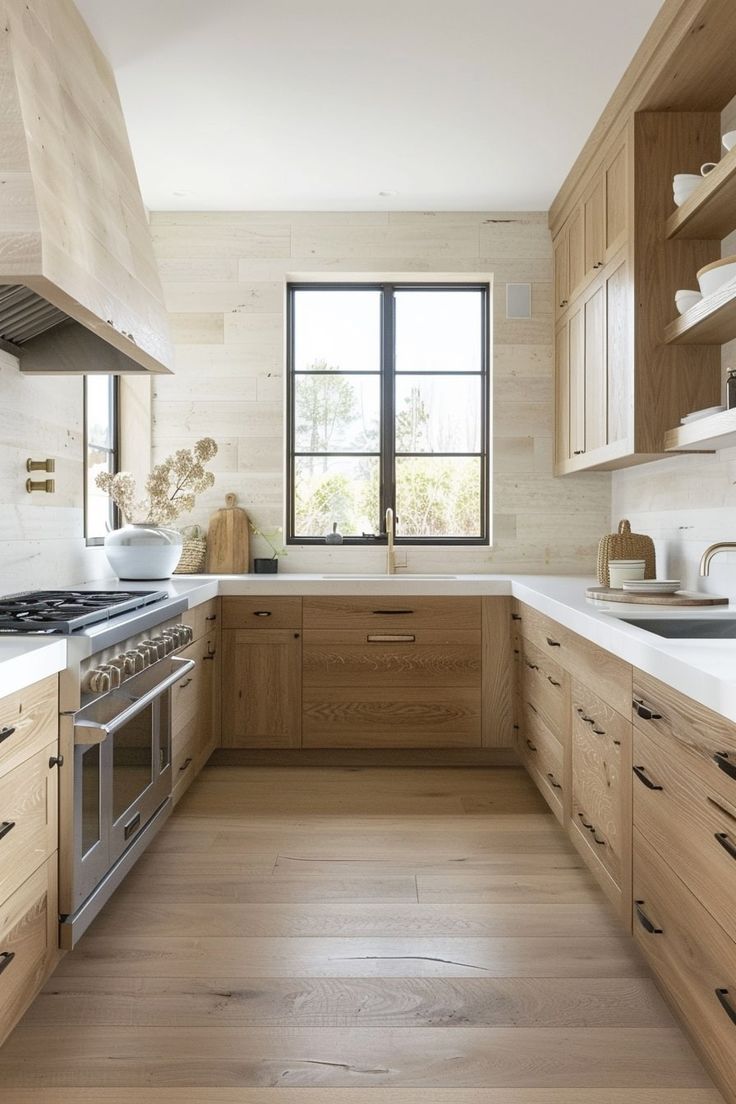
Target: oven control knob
[121,663]
[113,673]
[137,660]
[162,646]
[188,634]
[153,648]
[97,681]
[168,641]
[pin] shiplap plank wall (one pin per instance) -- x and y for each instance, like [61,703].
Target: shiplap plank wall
[42,535]
[224,277]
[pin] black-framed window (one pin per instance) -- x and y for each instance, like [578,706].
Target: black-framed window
[101,452]
[388,405]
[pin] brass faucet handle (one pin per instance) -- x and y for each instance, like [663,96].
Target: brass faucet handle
[47,465]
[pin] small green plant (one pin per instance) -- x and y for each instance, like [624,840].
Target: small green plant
[270,536]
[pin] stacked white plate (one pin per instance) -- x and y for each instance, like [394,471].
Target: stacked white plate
[698,414]
[652,586]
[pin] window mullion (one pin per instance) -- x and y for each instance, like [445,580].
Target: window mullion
[388,400]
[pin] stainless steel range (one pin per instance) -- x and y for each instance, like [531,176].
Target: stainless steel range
[115,731]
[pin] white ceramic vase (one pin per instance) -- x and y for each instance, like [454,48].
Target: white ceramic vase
[143,551]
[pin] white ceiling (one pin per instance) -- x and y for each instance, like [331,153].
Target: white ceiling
[324,104]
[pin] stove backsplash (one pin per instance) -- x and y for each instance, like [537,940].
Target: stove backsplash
[42,535]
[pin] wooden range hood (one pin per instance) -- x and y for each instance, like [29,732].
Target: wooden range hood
[79,285]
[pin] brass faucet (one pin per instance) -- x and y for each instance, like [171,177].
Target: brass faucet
[390,534]
[723,546]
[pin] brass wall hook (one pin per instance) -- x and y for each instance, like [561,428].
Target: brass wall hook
[47,485]
[47,465]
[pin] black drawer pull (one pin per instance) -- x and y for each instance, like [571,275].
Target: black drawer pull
[531,746]
[531,666]
[553,781]
[6,733]
[532,707]
[553,681]
[644,920]
[6,957]
[261,613]
[726,1005]
[516,617]
[6,827]
[721,758]
[645,712]
[599,731]
[553,643]
[641,775]
[584,823]
[211,617]
[726,843]
[600,842]
[393,612]
[185,764]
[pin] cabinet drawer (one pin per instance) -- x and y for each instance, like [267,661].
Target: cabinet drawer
[582,659]
[261,613]
[187,694]
[544,684]
[693,957]
[28,937]
[707,740]
[363,658]
[28,818]
[391,717]
[29,720]
[601,792]
[544,757]
[185,760]
[202,619]
[387,613]
[681,816]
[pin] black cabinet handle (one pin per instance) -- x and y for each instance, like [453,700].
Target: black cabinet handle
[516,617]
[645,712]
[5,733]
[553,681]
[726,1005]
[6,827]
[185,764]
[726,843]
[598,731]
[644,920]
[641,775]
[393,612]
[600,842]
[56,761]
[211,617]
[585,824]
[553,643]
[724,763]
[531,746]
[553,781]
[6,957]
[531,666]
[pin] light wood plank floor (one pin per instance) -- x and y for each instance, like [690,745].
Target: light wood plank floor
[354,936]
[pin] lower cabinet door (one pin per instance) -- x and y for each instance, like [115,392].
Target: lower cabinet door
[392,717]
[28,942]
[261,688]
[693,957]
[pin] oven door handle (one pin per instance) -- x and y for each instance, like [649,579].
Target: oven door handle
[88,733]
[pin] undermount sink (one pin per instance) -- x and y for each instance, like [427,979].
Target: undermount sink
[389,578]
[687,628]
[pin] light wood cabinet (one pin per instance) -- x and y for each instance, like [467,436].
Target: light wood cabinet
[195,700]
[613,409]
[600,821]
[29,840]
[261,688]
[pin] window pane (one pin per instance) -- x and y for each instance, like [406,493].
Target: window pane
[335,489]
[438,331]
[99,410]
[438,496]
[339,330]
[438,413]
[337,413]
[99,505]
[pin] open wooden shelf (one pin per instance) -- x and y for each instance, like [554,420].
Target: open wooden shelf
[712,321]
[710,212]
[706,435]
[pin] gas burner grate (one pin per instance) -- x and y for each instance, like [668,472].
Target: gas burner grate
[66,611]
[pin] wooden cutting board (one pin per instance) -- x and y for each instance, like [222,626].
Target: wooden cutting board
[228,550]
[679,598]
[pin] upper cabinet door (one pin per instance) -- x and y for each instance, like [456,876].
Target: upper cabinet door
[576,250]
[562,393]
[596,384]
[617,201]
[562,269]
[594,207]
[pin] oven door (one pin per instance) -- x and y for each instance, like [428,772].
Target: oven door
[122,770]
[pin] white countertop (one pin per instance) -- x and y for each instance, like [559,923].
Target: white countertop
[704,670]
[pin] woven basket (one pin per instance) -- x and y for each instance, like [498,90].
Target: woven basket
[194,552]
[625,545]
